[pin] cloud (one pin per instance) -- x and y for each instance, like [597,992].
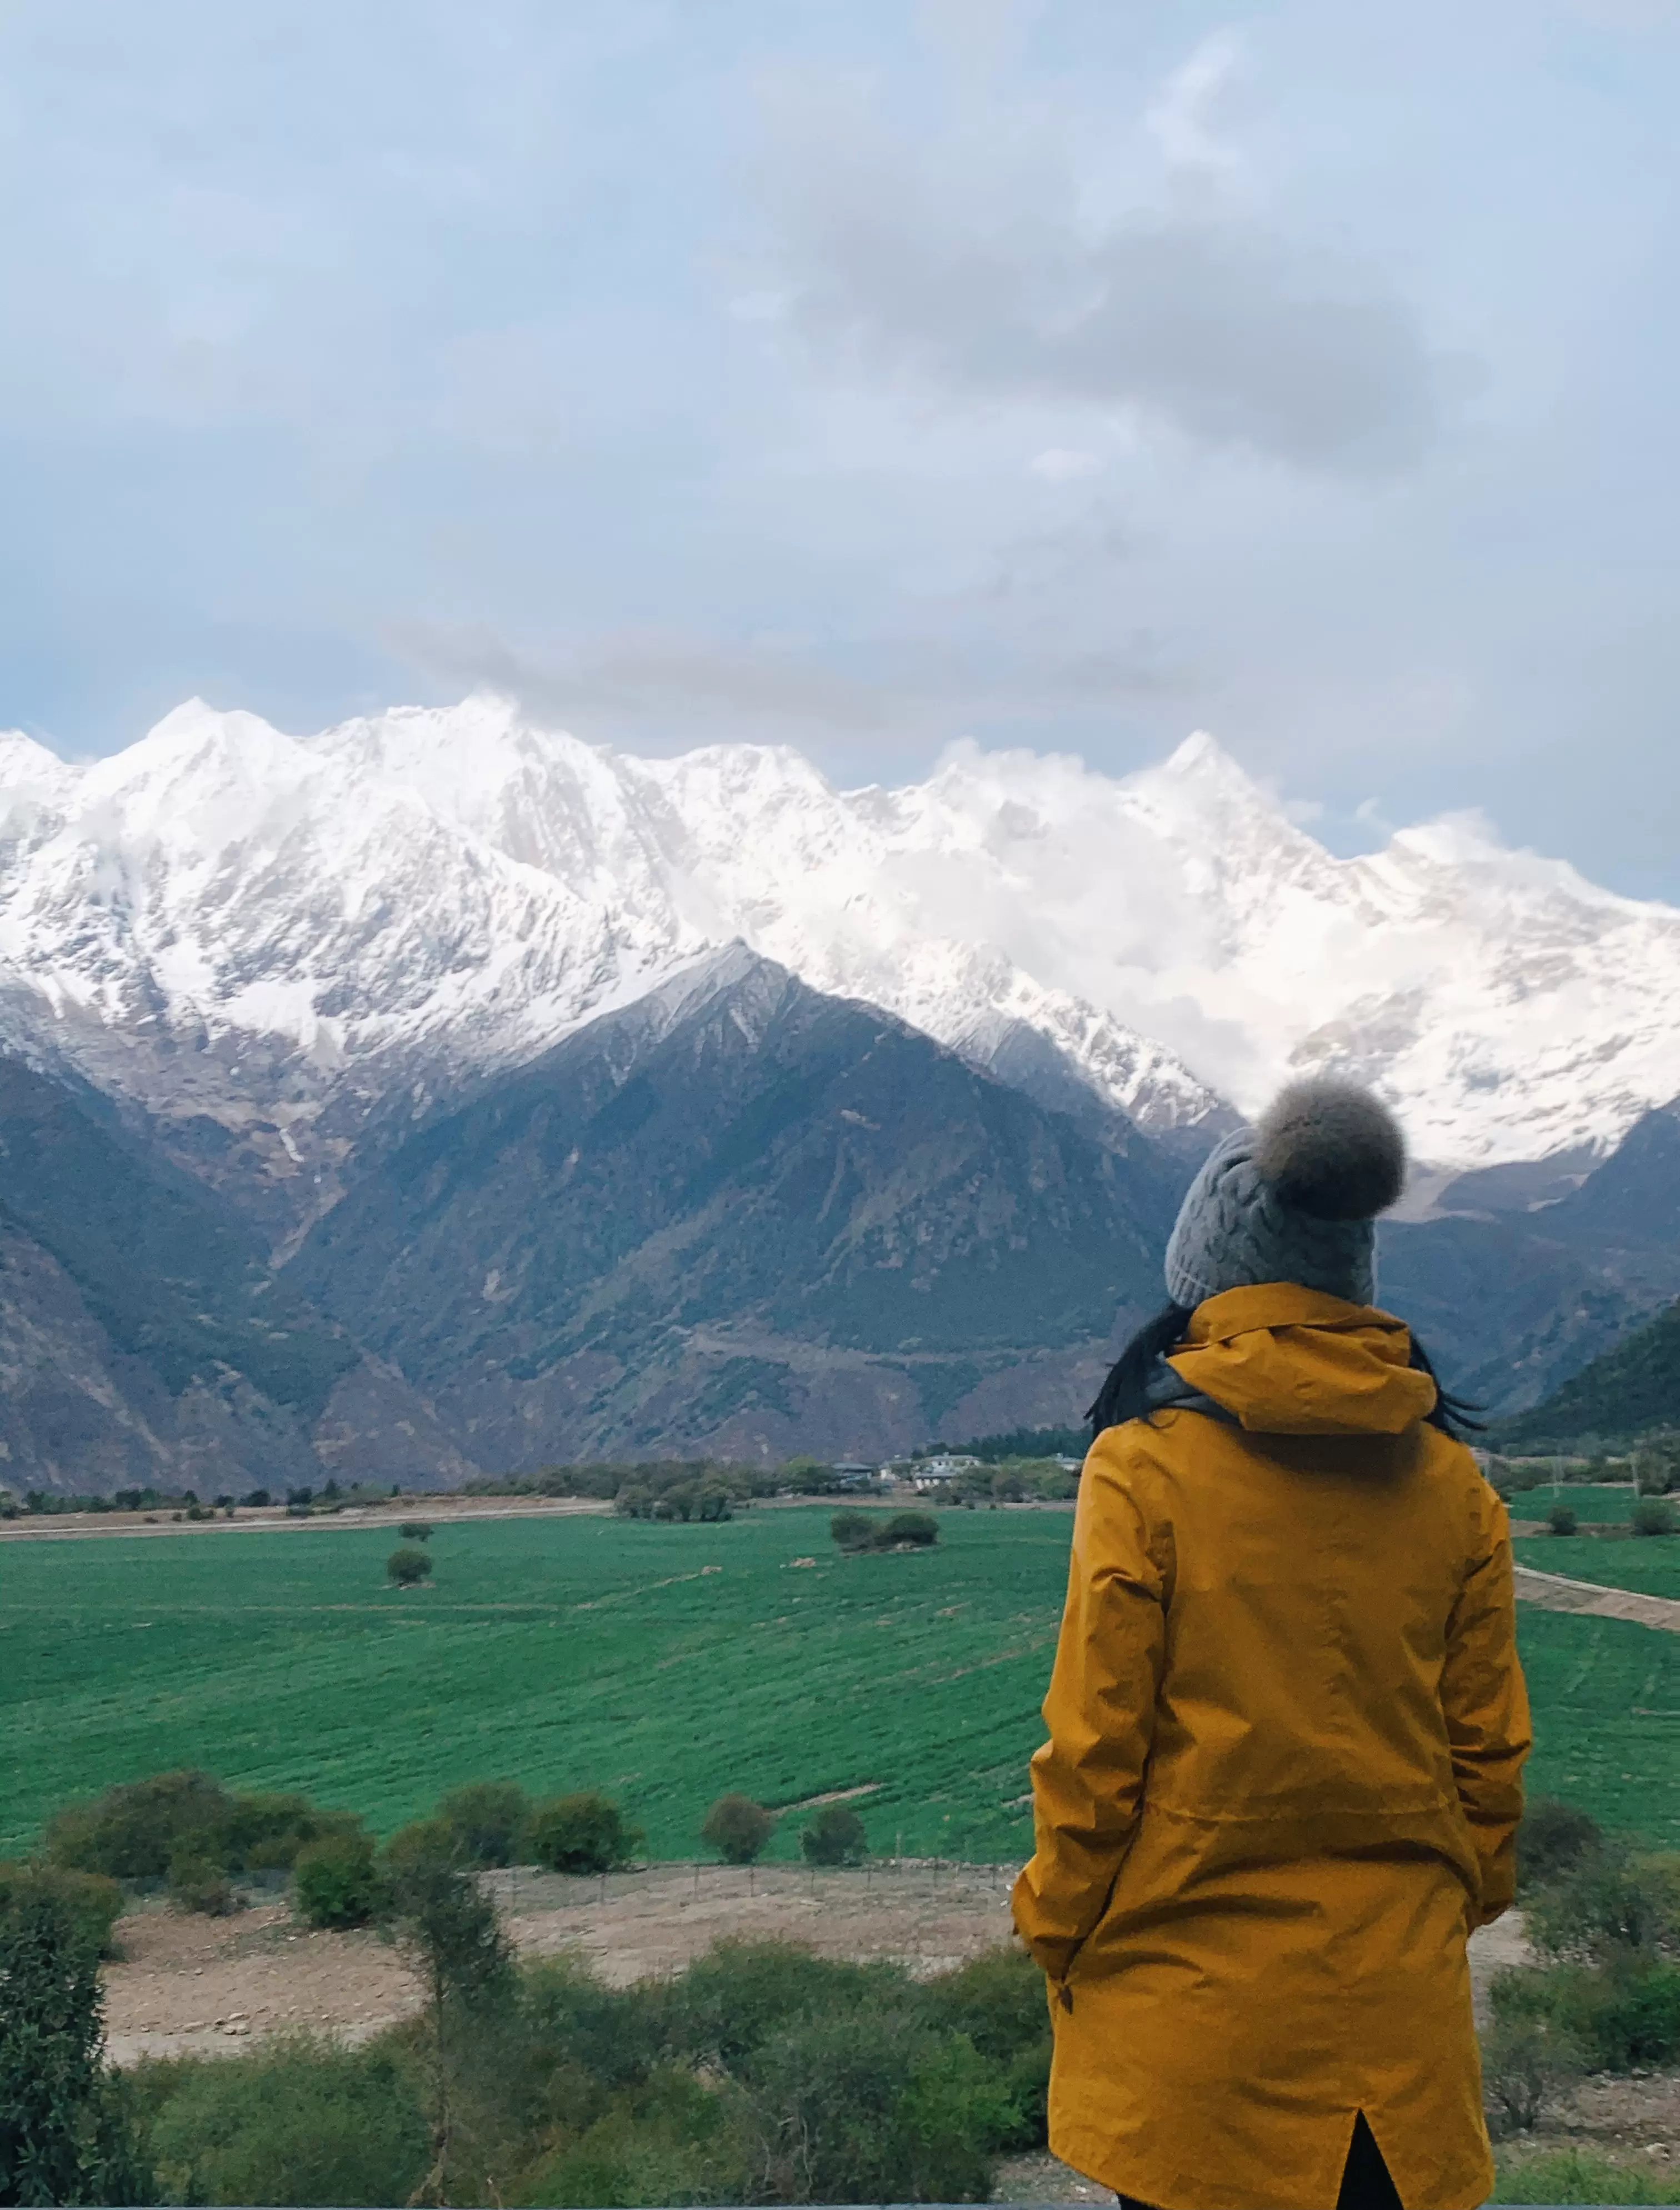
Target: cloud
[1183,117]
[966,268]
[1060,464]
[639,677]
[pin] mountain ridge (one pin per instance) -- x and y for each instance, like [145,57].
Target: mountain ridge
[279,936]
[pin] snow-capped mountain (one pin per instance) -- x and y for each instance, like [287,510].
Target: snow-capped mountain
[263,938]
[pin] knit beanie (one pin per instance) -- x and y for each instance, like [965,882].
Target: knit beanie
[1294,1198]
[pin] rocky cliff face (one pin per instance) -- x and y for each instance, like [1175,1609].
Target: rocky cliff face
[144,1339]
[744,1217]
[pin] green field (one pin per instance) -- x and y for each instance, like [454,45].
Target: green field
[600,1652]
[1650,1564]
[1588,1503]
[563,1653]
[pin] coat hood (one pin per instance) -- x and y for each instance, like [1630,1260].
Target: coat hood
[1285,1361]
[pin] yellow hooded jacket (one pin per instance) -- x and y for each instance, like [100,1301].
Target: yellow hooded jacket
[1287,1728]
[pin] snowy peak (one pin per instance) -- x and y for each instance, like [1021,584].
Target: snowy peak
[280,932]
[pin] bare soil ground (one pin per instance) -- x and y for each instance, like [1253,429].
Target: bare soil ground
[205,1985]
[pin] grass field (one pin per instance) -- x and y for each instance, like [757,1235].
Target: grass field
[665,1663]
[1650,1564]
[1586,1501]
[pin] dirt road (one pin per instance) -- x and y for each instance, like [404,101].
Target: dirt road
[1557,1592]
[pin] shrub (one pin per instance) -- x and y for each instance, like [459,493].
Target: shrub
[93,1902]
[854,1531]
[996,2000]
[737,1829]
[582,1833]
[139,1830]
[1607,1906]
[1651,1516]
[408,1566]
[919,1527]
[834,1837]
[197,1882]
[677,2143]
[487,1817]
[336,1882]
[1618,2018]
[868,2105]
[415,1530]
[1526,2062]
[132,1831]
[1562,1519]
[1553,1837]
[299,2122]
[734,1997]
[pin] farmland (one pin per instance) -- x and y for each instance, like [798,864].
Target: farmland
[1649,1565]
[665,1663]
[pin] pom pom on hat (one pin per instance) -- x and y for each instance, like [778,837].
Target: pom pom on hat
[1331,1149]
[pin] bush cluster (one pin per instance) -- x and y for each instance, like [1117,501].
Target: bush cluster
[762,2073]
[188,1829]
[876,1530]
[708,1501]
[1606,1920]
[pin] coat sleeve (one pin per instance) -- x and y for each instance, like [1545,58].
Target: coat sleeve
[1485,1702]
[1088,1779]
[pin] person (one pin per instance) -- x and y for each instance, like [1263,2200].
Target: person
[1287,1723]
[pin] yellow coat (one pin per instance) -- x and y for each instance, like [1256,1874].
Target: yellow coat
[1287,1728]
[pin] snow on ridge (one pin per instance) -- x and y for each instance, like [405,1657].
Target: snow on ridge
[461,884]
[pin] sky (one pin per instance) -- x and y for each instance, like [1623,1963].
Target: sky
[1062,374]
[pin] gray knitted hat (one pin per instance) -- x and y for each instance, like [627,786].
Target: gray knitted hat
[1292,1199]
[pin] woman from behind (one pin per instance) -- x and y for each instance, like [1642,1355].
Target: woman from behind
[1287,1723]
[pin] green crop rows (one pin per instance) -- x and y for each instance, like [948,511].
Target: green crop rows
[664,1663]
[596,1652]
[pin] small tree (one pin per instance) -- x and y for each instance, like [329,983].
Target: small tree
[1651,1516]
[737,1829]
[854,1531]
[336,1882]
[450,1927]
[582,1833]
[488,1820]
[64,2134]
[1562,1519]
[415,1530]
[834,1837]
[409,1567]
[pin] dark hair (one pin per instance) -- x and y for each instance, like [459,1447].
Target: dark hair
[1125,1394]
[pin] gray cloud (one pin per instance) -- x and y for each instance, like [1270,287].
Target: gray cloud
[906,256]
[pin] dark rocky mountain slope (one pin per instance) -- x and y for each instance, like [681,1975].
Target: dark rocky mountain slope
[742,1216]
[1512,1302]
[143,1339]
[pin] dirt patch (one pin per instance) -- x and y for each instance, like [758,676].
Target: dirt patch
[187,1985]
[1557,1592]
[208,1986]
[191,1986]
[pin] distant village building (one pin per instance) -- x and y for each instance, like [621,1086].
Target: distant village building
[933,1473]
[852,1476]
